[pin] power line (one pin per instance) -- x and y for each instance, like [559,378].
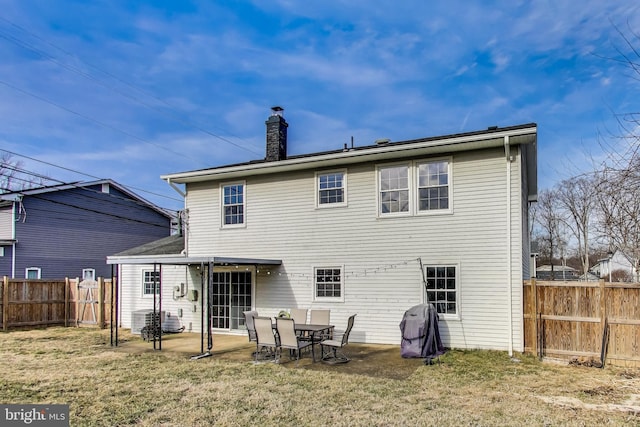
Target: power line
[85,174]
[76,70]
[130,135]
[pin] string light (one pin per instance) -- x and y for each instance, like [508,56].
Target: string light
[351,273]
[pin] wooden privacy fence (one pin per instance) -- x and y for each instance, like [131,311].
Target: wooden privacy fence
[35,303]
[592,320]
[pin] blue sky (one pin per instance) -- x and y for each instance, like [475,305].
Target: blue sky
[133,90]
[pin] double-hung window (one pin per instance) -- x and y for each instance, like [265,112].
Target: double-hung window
[433,186]
[418,187]
[394,189]
[328,284]
[233,202]
[331,188]
[442,288]
[150,281]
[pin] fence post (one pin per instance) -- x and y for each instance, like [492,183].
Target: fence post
[66,301]
[5,303]
[603,305]
[534,315]
[100,303]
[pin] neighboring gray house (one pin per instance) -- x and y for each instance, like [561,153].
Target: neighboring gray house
[372,230]
[68,230]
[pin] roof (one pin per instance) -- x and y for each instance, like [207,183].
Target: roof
[17,195]
[525,134]
[171,245]
[170,251]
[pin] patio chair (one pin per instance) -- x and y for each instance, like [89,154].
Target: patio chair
[335,352]
[321,317]
[299,315]
[265,338]
[288,338]
[248,322]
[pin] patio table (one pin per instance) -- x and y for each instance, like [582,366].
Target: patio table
[314,332]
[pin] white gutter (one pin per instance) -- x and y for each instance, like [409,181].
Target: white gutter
[509,158]
[350,156]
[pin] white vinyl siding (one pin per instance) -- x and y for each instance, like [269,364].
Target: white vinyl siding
[6,223]
[130,280]
[380,257]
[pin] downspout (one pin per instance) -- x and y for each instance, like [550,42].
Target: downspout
[182,220]
[13,245]
[509,158]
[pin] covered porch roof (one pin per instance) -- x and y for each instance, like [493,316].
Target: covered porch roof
[170,251]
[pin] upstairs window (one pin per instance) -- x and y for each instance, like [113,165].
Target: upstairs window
[331,189]
[433,186]
[233,199]
[394,190]
[150,281]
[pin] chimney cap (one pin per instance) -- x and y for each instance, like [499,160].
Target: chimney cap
[277,110]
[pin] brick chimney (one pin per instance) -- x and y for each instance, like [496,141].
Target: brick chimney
[276,135]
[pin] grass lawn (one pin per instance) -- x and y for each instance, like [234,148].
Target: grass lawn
[107,386]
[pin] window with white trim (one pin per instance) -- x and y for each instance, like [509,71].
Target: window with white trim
[331,188]
[149,279]
[233,199]
[442,288]
[328,283]
[33,273]
[415,188]
[433,185]
[88,274]
[394,189]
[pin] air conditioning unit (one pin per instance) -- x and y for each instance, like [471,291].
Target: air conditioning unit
[142,318]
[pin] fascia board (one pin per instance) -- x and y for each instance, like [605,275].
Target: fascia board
[372,154]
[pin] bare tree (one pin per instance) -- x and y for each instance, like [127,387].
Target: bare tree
[14,177]
[549,220]
[576,198]
[618,201]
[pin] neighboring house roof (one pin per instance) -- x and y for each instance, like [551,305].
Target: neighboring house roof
[492,137]
[18,194]
[171,245]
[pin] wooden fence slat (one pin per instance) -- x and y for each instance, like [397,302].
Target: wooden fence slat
[31,302]
[574,318]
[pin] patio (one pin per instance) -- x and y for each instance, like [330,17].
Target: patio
[376,360]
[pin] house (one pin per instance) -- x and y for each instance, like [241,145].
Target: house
[372,230]
[616,264]
[68,230]
[560,272]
